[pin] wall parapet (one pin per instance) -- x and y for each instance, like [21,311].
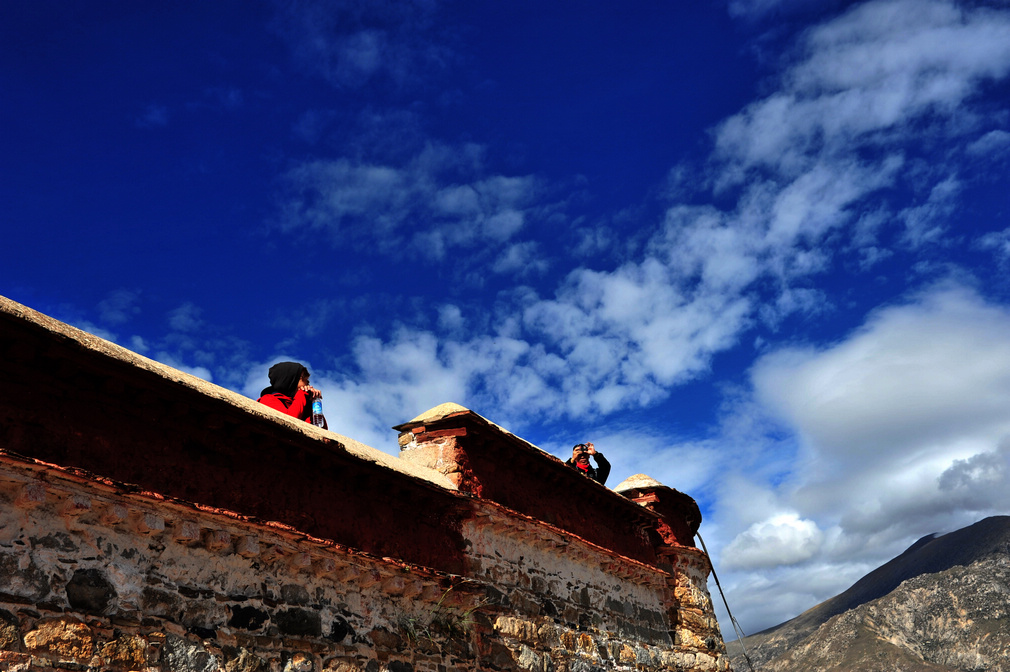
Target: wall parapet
[151,520]
[486,461]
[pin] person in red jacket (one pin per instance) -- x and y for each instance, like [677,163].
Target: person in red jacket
[289,391]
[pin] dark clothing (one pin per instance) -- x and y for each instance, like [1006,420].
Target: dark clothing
[284,379]
[599,474]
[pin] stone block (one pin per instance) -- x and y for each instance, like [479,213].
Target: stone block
[187,532]
[149,523]
[202,617]
[384,639]
[21,577]
[248,618]
[61,638]
[528,659]
[114,514]
[298,622]
[300,662]
[242,660]
[77,505]
[294,593]
[301,561]
[9,633]
[548,635]
[15,662]
[219,540]
[160,603]
[129,651]
[181,655]
[340,629]
[342,665]
[247,546]
[393,585]
[30,495]
[370,578]
[515,628]
[399,666]
[695,620]
[324,566]
[525,605]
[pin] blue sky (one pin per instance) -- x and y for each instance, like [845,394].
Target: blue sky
[757,249]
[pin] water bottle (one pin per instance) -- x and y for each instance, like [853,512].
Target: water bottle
[317,413]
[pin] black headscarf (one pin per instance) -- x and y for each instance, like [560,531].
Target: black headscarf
[284,378]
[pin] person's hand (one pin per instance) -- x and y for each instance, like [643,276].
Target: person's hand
[590,449]
[312,392]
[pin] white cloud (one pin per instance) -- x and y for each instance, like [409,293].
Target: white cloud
[450,318]
[359,56]
[912,376]
[198,371]
[783,539]
[521,260]
[390,205]
[119,306]
[763,598]
[998,241]
[993,143]
[138,344]
[901,429]
[343,43]
[927,222]
[865,75]
[329,192]
[835,135]
[978,483]
[185,318]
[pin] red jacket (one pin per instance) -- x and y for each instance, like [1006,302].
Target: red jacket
[300,407]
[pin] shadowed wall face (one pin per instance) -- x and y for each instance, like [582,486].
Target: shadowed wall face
[77,408]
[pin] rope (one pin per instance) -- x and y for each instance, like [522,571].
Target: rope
[732,619]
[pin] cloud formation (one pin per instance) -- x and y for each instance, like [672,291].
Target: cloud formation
[437,201]
[800,169]
[902,431]
[350,44]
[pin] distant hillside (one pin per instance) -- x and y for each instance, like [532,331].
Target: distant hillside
[958,580]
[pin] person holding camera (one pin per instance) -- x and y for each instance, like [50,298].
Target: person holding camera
[580,460]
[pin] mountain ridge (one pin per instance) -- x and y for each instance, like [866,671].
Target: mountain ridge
[930,555]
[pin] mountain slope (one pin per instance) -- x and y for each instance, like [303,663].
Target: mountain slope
[928,556]
[958,619]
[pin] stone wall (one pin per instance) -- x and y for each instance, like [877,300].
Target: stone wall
[152,521]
